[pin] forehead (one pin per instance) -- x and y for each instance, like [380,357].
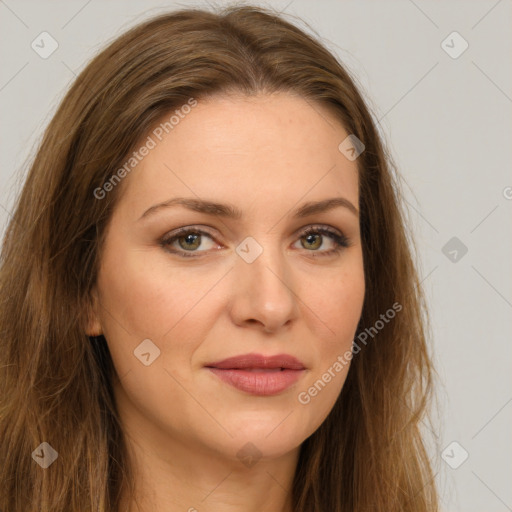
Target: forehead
[243,149]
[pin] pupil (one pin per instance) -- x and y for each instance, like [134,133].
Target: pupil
[310,239]
[191,240]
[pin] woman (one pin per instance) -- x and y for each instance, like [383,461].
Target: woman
[209,300]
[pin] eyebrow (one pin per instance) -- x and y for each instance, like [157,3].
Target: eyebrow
[231,212]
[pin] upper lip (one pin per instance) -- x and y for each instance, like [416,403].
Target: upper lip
[285,361]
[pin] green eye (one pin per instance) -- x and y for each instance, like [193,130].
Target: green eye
[188,241]
[314,235]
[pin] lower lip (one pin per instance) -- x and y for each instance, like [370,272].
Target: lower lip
[259,382]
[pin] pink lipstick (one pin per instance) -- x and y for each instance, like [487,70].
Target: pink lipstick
[257,374]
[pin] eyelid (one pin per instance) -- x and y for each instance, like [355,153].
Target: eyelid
[337,235]
[168,238]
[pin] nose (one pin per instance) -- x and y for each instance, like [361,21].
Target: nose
[263,290]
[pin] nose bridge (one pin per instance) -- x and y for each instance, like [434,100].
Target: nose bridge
[264,263]
[264,281]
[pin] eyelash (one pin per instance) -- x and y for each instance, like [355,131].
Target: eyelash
[340,240]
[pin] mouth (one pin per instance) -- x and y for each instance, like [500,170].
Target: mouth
[260,375]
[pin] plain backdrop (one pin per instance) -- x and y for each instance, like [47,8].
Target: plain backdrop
[444,110]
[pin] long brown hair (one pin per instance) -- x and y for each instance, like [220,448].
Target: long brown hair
[369,454]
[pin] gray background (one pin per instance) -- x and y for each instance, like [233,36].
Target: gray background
[447,123]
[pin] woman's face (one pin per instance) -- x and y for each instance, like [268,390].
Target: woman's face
[173,306]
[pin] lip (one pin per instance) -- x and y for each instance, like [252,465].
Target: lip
[257,374]
[244,361]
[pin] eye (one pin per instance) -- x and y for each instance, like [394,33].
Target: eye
[314,240]
[185,242]
[188,239]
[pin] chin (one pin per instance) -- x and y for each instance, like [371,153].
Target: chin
[269,435]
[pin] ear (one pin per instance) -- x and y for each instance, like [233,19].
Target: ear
[93,320]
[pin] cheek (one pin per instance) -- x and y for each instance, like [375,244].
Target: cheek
[151,300]
[148,297]
[338,303]
[337,300]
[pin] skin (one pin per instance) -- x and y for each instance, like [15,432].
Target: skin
[266,155]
